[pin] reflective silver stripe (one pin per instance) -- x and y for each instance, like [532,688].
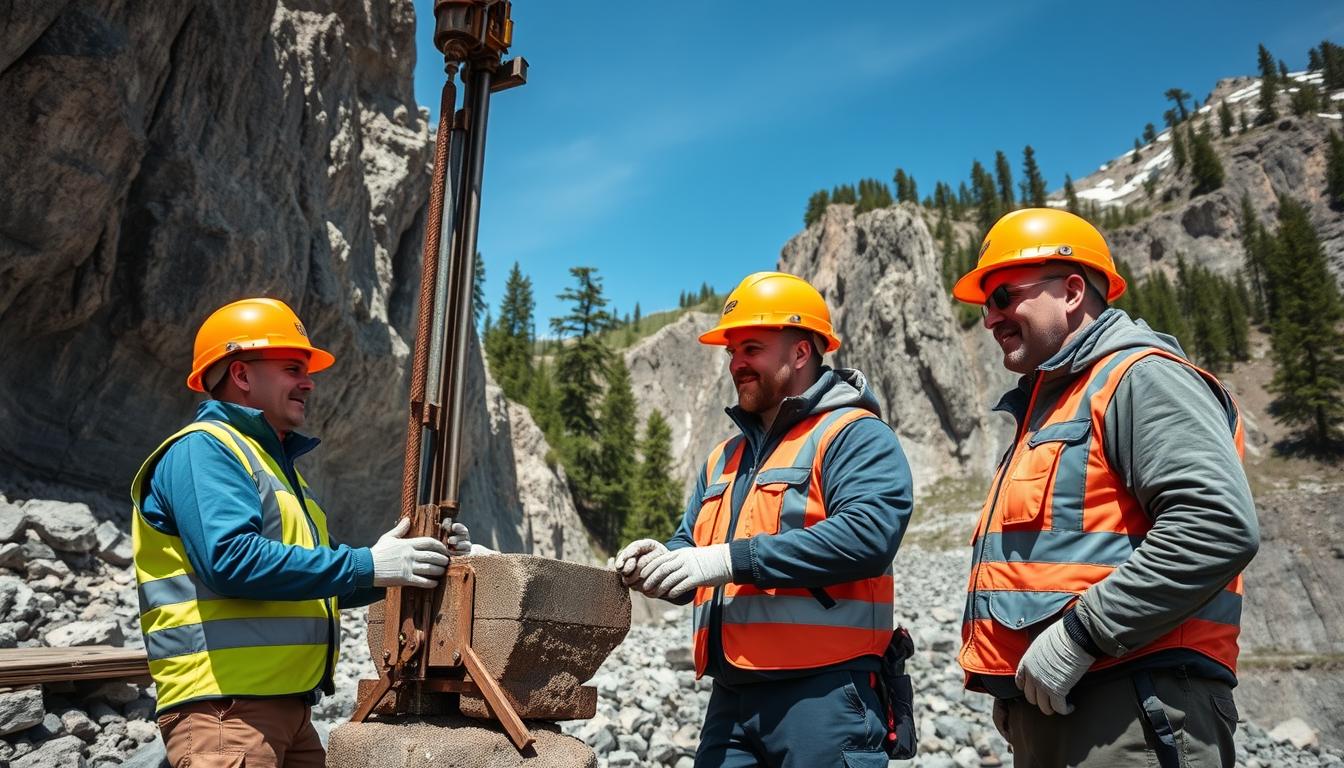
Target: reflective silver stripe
[788,609]
[729,449]
[700,616]
[173,590]
[1224,608]
[1097,548]
[235,633]
[794,510]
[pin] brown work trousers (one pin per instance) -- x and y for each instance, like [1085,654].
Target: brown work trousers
[1108,728]
[229,733]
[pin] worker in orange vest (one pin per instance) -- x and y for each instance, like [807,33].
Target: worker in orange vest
[787,542]
[1105,592]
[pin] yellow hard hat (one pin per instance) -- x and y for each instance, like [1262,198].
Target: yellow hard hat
[251,324]
[773,300]
[1033,236]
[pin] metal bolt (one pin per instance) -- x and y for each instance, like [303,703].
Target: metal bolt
[457,657]
[1020,622]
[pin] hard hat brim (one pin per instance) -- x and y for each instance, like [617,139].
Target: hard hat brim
[718,335]
[970,288]
[318,360]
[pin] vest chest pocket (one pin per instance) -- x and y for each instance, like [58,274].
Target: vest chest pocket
[1034,469]
[707,521]
[777,502]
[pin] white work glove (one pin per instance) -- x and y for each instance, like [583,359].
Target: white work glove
[1051,667]
[459,538]
[632,559]
[678,571]
[402,562]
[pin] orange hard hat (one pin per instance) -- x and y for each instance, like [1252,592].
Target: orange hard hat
[252,324]
[1037,235]
[773,300]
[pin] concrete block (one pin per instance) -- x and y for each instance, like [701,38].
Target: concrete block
[450,742]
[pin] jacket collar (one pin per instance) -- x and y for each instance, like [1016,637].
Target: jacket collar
[252,423]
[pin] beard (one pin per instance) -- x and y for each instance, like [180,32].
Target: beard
[757,393]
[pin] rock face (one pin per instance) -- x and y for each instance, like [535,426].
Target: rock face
[879,274]
[161,162]
[1285,159]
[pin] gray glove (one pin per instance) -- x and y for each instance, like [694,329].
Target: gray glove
[1050,668]
[402,562]
[632,559]
[459,538]
[678,571]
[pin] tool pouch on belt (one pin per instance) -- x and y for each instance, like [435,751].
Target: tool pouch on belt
[898,697]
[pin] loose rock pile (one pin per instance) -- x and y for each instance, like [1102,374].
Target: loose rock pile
[65,580]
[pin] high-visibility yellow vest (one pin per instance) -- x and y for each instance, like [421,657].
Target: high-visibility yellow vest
[782,628]
[202,645]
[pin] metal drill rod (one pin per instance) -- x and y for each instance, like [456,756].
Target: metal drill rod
[479,92]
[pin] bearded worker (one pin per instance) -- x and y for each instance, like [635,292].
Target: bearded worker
[1105,592]
[238,581]
[787,543]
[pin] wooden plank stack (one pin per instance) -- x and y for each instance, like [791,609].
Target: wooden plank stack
[32,666]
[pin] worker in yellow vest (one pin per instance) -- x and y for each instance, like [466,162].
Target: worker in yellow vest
[787,542]
[238,581]
[1105,592]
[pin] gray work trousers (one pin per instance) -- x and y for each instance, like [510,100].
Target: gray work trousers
[1108,726]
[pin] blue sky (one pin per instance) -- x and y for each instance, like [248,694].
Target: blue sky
[670,143]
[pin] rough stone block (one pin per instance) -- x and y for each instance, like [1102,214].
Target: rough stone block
[20,710]
[65,752]
[451,741]
[85,633]
[12,522]
[114,546]
[542,627]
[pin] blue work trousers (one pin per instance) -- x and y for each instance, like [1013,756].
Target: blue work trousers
[827,719]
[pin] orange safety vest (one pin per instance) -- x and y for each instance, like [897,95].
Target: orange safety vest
[1060,520]
[784,627]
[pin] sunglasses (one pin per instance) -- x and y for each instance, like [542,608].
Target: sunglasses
[1004,297]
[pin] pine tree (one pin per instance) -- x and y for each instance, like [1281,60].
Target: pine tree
[1225,119]
[1332,66]
[1306,100]
[1034,193]
[1004,174]
[1178,152]
[1070,195]
[986,196]
[844,193]
[816,207]
[478,304]
[1235,311]
[1205,167]
[1163,307]
[1283,72]
[1334,171]
[1178,96]
[1307,344]
[964,199]
[873,194]
[1149,133]
[1268,89]
[580,365]
[543,402]
[1241,121]
[1131,301]
[614,490]
[657,509]
[1252,245]
[508,344]
[1314,62]
[1202,300]
[637,316]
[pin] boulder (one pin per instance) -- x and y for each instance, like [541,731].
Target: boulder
[68,527]
[114,546]
[65,752]
[20,709]
[13,521]
[85,633]
[1296,732]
